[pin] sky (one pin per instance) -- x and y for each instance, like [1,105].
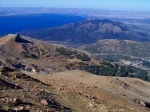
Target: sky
[131,5]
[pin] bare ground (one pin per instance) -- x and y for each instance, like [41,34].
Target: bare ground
[82,91]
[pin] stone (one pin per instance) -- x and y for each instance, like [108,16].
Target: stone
[28,107]
[80,92]
[61,88]
[44,102]
[7,108]
[17,100]
[121,110]
[142,103]
[90,104]
[21,108]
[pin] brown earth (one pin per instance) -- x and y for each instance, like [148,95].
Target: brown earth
[83,91]
[22,93]
[16,49]
[73,90]
[67,91]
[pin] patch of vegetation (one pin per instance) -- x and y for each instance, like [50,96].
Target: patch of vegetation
[71,54]
[27,55]
[107,69]
[146,63]
[83,57]
[108,64]
[114,58]
[64,51]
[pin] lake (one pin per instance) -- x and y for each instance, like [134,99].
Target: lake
[17,23]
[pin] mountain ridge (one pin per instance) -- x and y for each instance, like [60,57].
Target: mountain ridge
[36,56]
[120,47]
[17,49]
[89,31]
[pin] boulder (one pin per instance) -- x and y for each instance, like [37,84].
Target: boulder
[44,102]
[17,100]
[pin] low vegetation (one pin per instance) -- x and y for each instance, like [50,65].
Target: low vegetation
[146,63]
[64,51]
[27,55]
[71,53]
[108,69]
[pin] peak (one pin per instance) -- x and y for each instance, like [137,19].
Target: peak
[15,38]
[17,35]
[12,36]
[18,38]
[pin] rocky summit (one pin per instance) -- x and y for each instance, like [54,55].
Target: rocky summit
[24,53]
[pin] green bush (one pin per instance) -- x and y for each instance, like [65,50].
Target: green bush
[121,71]
[64,51]
[26,55]
[83,57]
[146,63]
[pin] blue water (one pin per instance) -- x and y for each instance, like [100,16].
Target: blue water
[13,24]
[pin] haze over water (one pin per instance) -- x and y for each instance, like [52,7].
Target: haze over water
[13,24]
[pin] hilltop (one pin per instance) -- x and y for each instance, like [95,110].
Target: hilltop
[22,52]
[120,47]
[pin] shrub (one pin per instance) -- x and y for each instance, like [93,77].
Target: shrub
[83,57]
[64,51]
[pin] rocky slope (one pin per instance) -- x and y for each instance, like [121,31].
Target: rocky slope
[22,52]
[85,92]
[71,91]
[20,92]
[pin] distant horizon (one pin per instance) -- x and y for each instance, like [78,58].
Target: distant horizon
[127,5]
[79,8]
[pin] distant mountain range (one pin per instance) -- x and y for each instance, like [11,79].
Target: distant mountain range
[96,13]
[89,31]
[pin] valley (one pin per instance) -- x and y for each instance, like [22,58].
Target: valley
[123,42]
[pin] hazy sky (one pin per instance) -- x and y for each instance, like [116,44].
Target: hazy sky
[138,5]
